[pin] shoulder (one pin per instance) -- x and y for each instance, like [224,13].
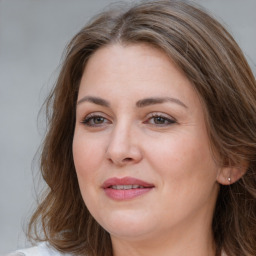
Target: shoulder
[223,253]
[43,249]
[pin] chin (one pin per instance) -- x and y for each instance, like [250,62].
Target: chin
[129,233]
[127,225]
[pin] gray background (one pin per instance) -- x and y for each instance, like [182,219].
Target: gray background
[33,34]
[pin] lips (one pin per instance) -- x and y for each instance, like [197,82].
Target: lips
[125,188]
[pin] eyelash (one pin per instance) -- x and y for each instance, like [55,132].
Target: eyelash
[92,117]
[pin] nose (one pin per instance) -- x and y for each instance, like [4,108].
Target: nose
[124,146]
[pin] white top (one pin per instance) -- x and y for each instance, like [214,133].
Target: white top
[44,250]
[41,250]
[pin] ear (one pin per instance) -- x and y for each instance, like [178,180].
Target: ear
[229,175]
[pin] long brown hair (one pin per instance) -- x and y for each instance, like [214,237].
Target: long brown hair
[213,62]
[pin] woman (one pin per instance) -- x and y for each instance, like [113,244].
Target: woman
[151,146]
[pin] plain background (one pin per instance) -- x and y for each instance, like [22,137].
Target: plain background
[33,34]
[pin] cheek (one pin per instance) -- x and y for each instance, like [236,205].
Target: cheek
[183,158]
[188,174]
[87,154]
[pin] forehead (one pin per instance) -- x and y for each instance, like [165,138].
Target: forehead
[139,67]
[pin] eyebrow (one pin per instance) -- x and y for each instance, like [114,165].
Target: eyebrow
[152,101]
[95,100]
[140,104]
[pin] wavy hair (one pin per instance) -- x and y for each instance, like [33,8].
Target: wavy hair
[210,58]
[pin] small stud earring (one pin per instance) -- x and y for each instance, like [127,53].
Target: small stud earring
[229,179]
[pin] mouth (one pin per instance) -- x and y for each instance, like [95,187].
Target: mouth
[126,188]
[120,187]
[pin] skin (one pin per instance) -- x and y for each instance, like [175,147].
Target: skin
[171,152]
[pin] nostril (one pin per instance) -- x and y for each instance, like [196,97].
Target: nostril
[127,159]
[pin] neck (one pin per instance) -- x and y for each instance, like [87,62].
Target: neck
[193,246]
[187,241]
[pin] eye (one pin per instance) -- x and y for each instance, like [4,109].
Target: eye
[160,120]
[94,120]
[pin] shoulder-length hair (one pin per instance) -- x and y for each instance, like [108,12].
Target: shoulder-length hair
[210,58]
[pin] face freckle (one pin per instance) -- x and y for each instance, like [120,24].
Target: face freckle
[170,153]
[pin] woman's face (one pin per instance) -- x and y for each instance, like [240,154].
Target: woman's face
[141,149]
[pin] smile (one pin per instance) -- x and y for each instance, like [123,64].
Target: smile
[125,188]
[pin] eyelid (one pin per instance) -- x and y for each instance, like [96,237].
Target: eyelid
[153,114]
[95,114]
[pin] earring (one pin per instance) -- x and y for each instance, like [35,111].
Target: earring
[229,179]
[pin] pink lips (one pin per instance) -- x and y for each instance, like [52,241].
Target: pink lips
[125,188]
